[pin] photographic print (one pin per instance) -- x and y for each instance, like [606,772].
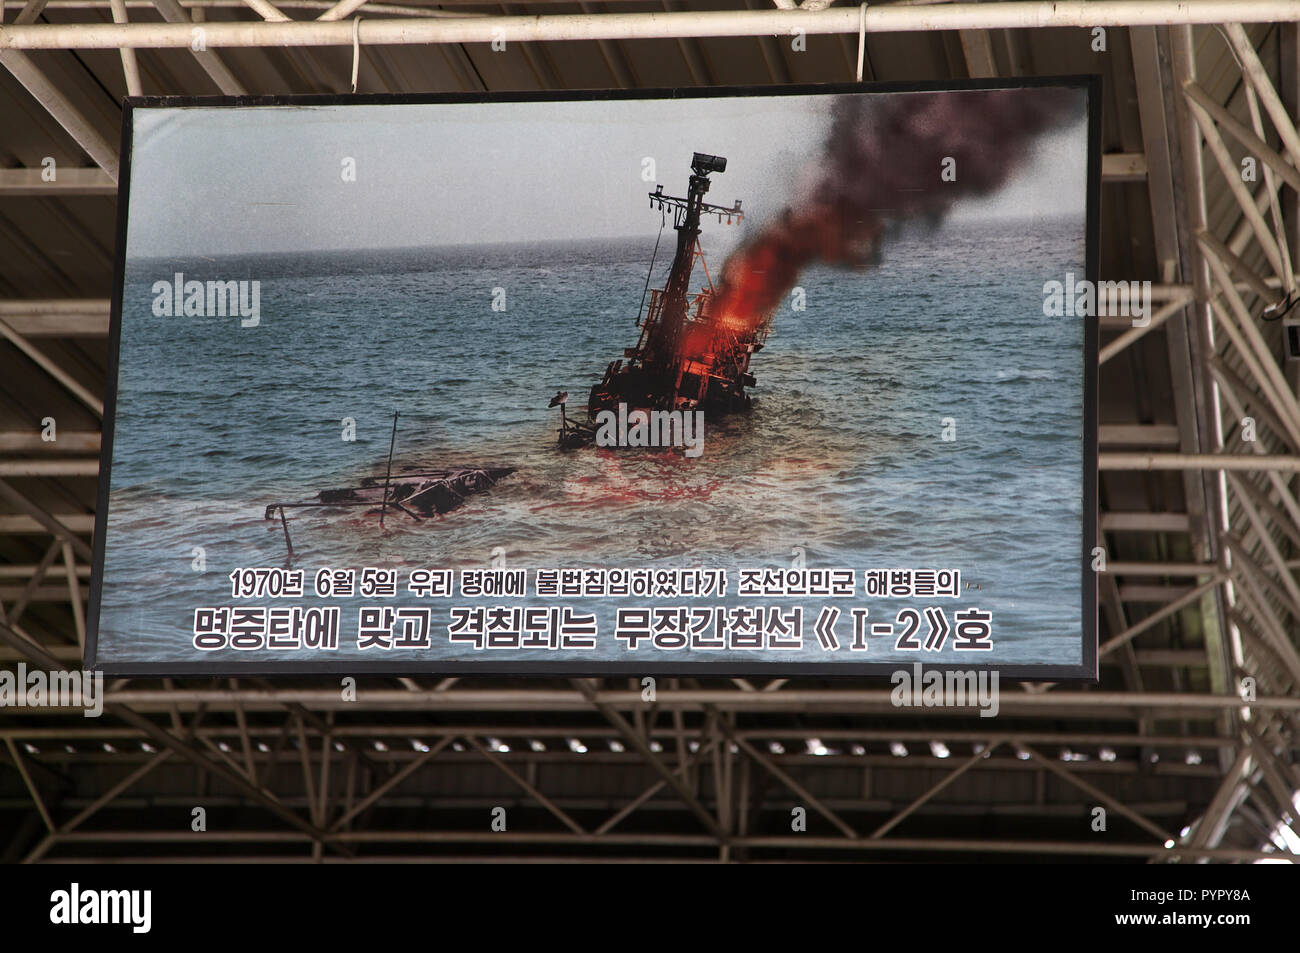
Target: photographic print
[714,382]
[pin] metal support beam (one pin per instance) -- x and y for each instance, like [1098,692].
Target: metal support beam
[1155,830]
[212,63]
[342,10]
[42,361]
[886,18]
[1164,313]
[50,522]
[1123,638]
[130,68]
[1210,828]
[977,47]
[67,182]
[374,796]
[83,132]
[947,780]
[49,468]
[31,785]
[528,787]
[643,748]
[768,765]
[267,11]
[1047,848]
[167,740]
[1196,461]
[544,699]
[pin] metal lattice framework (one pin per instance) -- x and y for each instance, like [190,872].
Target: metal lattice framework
[1189,741]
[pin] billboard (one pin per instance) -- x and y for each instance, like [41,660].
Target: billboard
[781,381]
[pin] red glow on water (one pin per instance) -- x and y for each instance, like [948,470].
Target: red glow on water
[623,480]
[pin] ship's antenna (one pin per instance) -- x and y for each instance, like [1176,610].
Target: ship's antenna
[383,500]
[663,220]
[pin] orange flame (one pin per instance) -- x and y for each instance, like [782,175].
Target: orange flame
[760,273]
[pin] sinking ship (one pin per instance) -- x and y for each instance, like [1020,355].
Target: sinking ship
[689,357]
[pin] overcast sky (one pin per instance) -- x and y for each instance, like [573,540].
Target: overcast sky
[207,181]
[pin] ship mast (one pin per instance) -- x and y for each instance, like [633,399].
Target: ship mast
[663,344]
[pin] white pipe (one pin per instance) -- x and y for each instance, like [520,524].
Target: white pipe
[266,11]
[371,8]
[1258,77]
[1133,334]
[623,26]
[342,10]
[1232,175]
[1195,461]
[55,305]
[130,68]
[49,468]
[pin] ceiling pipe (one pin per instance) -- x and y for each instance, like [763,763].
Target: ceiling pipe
[627,26]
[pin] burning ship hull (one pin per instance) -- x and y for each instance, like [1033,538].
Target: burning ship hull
[712,377]
[691,355]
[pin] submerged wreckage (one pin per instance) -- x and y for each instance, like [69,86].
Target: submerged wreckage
[419,494]
[690,358]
